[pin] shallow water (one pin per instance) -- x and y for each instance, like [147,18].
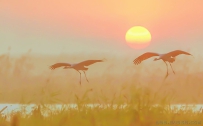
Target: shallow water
[27,109]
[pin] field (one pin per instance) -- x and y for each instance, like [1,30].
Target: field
[27,79]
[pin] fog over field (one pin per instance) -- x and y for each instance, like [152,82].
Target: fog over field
[27,79]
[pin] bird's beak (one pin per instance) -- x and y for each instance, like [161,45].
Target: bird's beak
[104,59]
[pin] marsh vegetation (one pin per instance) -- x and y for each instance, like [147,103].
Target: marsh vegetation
[27,79]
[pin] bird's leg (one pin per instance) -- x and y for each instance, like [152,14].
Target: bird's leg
[167,70]
[85,76]
[80,77]
[172,68]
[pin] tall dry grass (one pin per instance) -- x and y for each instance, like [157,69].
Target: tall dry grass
[28,79]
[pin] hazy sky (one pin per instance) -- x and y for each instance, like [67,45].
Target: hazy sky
[64,26]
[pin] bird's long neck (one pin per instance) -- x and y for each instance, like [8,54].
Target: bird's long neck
[157,59]
[160,55]
[68,67]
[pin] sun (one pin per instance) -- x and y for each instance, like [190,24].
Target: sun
[138,37]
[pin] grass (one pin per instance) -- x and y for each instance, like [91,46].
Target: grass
[27,79]
[105,116]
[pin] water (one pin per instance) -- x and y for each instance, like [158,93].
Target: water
[27,109]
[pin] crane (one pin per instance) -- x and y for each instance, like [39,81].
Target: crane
[167,57]
[77,66]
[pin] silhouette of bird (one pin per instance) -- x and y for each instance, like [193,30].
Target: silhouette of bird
[76,66]
[167,57]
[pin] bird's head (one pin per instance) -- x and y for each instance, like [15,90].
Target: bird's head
[104,59]
[155,59]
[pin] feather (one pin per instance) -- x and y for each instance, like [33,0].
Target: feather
[144,56]
[177,52]
[54,66]
[89,62]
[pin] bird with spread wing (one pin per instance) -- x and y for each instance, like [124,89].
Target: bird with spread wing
[167,57]
[76,66]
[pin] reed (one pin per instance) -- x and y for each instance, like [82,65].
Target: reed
[27,79]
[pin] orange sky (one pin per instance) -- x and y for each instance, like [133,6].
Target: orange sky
[74,26]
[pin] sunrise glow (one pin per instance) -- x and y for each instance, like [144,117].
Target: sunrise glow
[138,37]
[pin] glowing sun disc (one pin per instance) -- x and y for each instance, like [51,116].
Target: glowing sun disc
[138,37]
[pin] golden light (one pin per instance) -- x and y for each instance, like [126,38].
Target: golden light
[138,37]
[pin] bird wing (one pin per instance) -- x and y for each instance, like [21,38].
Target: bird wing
[144,56]
[177,52]
[56,65]
[89,62]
